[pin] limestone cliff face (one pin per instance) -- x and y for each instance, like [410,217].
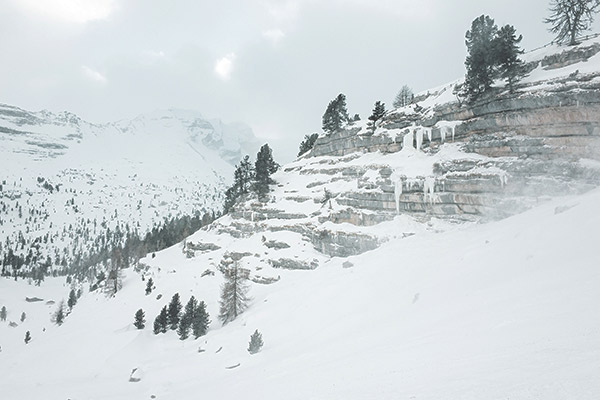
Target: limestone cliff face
[542,140]
[438,160]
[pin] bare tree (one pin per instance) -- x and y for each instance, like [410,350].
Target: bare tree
[234,293]
[570,17]
[404,97]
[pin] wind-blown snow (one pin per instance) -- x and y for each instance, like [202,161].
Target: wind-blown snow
[503,310]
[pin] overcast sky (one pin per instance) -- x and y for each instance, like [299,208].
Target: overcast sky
[273,64]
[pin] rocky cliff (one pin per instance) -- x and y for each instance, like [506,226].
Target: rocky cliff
[429,165]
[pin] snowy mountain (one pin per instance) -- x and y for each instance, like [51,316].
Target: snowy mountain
[448,254]
[65,181]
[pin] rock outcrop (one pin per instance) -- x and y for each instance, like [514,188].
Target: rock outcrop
[438,158]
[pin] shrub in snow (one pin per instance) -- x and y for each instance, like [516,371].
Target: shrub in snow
[72,299]
[140,319]
[149,286]
[256,342]
[59,315]
[27,337]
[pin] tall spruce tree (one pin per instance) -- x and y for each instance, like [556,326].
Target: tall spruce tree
[161,322]
[72,299]
[174,312]
[378,113]
[308,143]
[506,53]
[336,114]
[200,321]
[27,337]
[480,60]
[185,324]
[264,167]
[242,183]
[569,18]
[3,313]
[139,319]
[244,174]
[234,293]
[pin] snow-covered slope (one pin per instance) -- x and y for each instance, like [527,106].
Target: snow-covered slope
[65,181]
[369,278]
[503,310]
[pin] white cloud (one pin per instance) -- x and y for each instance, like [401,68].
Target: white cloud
[224,66]
[76,11]
[283,11]
[274,35]
[93,75]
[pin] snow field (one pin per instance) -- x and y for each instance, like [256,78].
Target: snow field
[503,310]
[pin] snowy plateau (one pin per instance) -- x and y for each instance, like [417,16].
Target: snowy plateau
[451,254]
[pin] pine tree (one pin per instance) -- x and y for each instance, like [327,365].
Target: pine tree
[506,53]
[200,321]
[27,337]
[234,299]
[264,167]
[336,114]
[161,322]
[404,97]
[378,113]
[23,316]
[174,311]
[140,319]
[480,60]
[72,299]
[3,313]
[149,286]
[256,342]
[184,327]
[59,314]
[308,143]
[244,174]
[570,17]
[185,323]
[231,197]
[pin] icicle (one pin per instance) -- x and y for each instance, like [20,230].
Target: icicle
[453,130]
[398,193]
[407,141]
[428,131]
[429,189]
[419,138]
[443,131]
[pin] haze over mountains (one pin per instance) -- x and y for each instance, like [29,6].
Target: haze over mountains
[63,173]
[447,251]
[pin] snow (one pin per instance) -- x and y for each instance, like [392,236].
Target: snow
[407,141]
[419,132]
[503,310]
